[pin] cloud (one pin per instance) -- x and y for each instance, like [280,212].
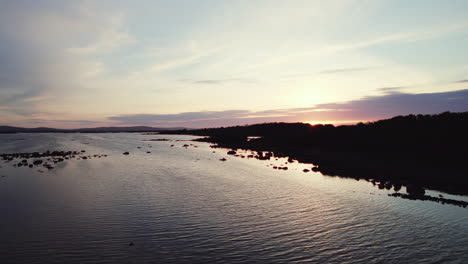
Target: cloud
[210,81]
[82,59]
[365,109]
[462,81]
[223,81]
[181,117]
[347,70]
[61,123]
[46,48]
[409,36]
[393,104]
[391,90]
[108,38]
[81,122]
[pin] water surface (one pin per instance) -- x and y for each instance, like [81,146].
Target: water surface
[184,205]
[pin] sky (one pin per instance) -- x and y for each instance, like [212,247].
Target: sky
[210,63]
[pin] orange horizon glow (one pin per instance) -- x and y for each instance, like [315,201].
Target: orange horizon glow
[334,122]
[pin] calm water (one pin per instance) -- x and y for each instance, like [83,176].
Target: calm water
[181,205]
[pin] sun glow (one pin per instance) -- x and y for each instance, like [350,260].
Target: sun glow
[334,122]
[318,122]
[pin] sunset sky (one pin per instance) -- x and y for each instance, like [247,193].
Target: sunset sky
[212,63]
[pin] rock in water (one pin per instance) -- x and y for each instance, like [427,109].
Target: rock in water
[412,189]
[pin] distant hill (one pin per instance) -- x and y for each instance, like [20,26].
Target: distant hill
[11,129]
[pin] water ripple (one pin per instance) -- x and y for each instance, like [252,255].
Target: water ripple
[180,205]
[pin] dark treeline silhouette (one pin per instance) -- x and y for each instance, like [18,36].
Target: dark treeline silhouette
[427,150]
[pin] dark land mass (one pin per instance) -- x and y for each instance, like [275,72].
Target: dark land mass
[10,129]
[416,151]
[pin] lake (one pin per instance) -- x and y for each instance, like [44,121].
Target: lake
[183,205]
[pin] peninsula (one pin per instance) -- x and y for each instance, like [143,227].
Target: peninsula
[428,151]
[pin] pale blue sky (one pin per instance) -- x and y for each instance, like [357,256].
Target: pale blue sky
[209,63]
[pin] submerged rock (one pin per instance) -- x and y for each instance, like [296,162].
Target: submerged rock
[37,162]
[48,166]
[439,199]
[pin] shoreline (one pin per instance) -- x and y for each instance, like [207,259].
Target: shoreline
[348,165]
[416,151]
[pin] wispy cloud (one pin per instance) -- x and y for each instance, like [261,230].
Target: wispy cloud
[223,81]
[406,36]
[347,70]
[76,59]
[181,117]
[108,39]
[52,48]
[385,38]
[391,90]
